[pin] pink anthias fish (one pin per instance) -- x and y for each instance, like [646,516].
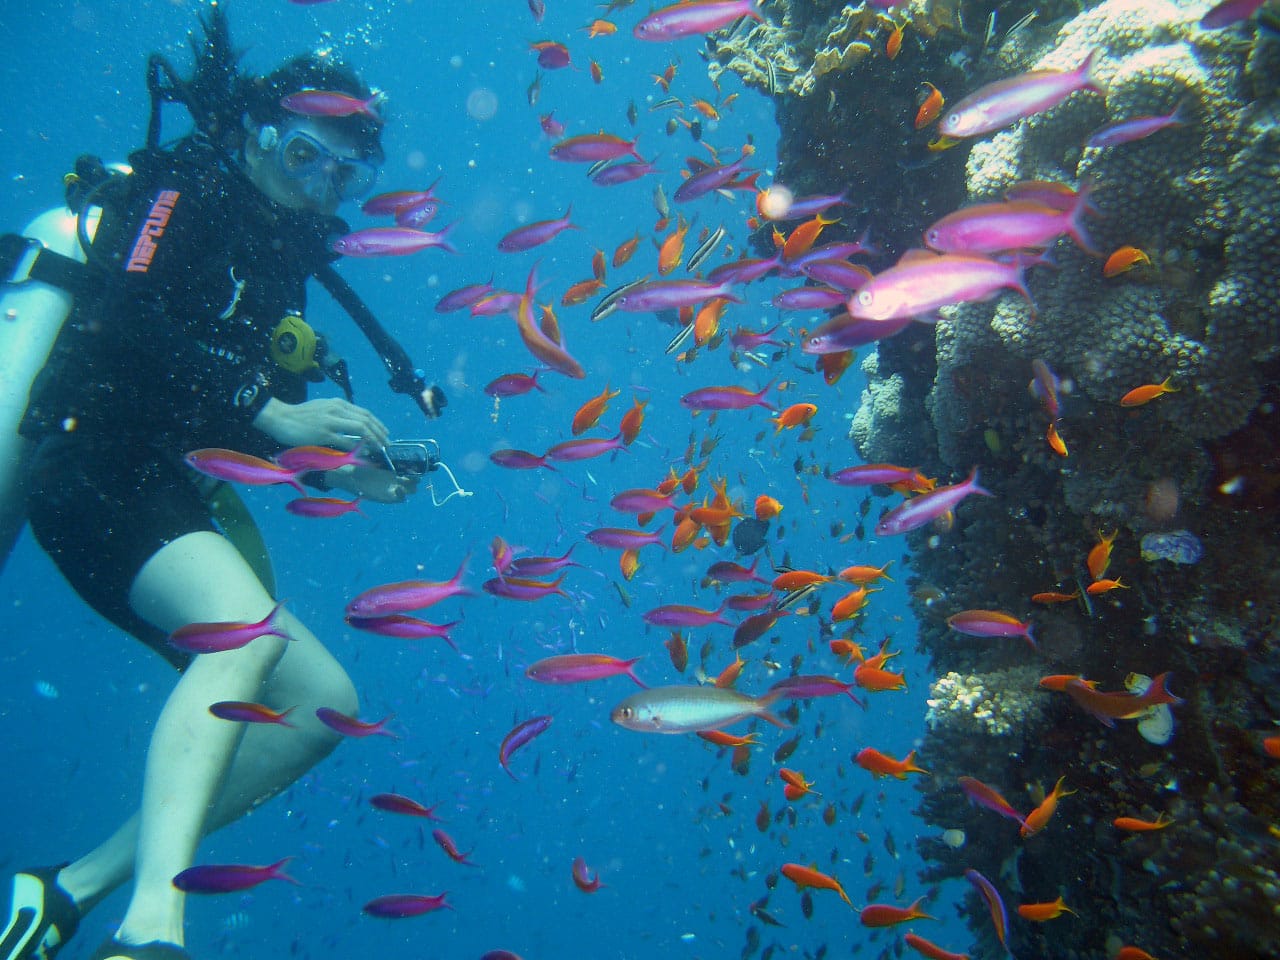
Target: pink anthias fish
[683,615]
[1005,102]
[842,333]
[921,282]
[1136,128]
[230,877]
[514,385]
[520,735]
[726,398]
[406,806]
[586,448]
[1229,12]
[995,905]
[535,234]
[519,460]
[710,178]
[986,228]
[332,103]
[642,501]
[726,571]
[617,538]
[849,277]
[693,18]
[618,173]
[552,127]
[581,668]
[323,508]
[310,458]
[803,208]
[744,270]
[749,602]
[872,474]
[984,796]
[810,298]
[464,297]
[928,507]
[399,906]
[990,623]
[351,727]
[672,295]
[523,589]
[496,303]
[1046,386]
[810,687]
[541,566]
[407,595]
[218,637]
[391,242]
[745,339]
[244,711]
[391,203]
[593,147]
[242,468]
[404,627]
[544,340]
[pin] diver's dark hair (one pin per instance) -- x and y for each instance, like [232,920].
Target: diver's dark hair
[219,96]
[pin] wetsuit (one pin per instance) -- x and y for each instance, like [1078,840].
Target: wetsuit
[169,353]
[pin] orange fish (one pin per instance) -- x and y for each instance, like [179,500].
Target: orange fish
[1053,596]
[798,580]
[629,563]
[598,265]
[581,292]
[1146,393]
[589,413]
[1036,820]
[729,675]
[1100,555]
[848,606]
[803,877]
[893,45]
[1271,746]
[671,250]
[1055,441]
[885,915]
[1109,707]
[796,785]
[798,414]
[883,765]
[632,421]
[600,28]
[626,250]
[1133,953]
[930,108]
[685,533]
[882,656]
[877,680]
[678,650]
[766,507]
[833,365]
[1058,682]
[847,650]
[1040,912]
[722,739]
[597,72]
[1123,260]
[706,323]
[930,950]
[864,574]
[664,79]
[1099,587]
[1136,825]
[706,109]
[801,240]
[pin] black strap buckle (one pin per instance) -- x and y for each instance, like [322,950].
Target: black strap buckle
[18,256]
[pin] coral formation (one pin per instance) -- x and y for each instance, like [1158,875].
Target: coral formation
[990,705]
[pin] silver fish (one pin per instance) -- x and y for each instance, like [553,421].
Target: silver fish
[687,709]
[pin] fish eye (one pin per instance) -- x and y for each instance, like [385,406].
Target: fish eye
[865,297]
[931,236]
[625,713]
[953,119]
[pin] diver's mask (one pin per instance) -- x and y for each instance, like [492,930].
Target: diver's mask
[305,159]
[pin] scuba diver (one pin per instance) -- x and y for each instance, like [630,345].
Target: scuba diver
[186,331]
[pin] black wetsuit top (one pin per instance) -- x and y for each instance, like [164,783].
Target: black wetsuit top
[169,352]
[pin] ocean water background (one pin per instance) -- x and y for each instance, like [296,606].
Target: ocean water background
[669,826]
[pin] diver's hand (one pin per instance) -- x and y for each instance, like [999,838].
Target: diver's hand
[328,421]
[373,483]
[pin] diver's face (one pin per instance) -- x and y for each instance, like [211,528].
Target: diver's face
[309,167]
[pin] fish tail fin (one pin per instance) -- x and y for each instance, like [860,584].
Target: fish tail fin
[271,622]
[973,484]
[1031,637]
[1159,688]
[1088,73]
[1075,221]
[911,765]
[276,871]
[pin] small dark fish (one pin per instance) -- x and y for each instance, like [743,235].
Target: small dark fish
[518,737]
[749,535]
[400,906]
[535,89]
[632,115]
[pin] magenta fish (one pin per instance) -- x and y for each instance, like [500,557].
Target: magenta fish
[417,215]
[404,627]
[244,711]
[406,806]
[756,626]
[1228,12]
[230,877]
[842,333]
[1009,225]
[927,507]
[391,242]
[683,615]
[593,147]
[744,270]
[921,282]
[519,460]
[1137,128]
[552,55]
[986,889]
[618,173]
[535,234]
[726,398]
[390,204]
[407,595]
[445,842]
[804,208]
[402,905]
[984,796]
[351,727]
[813,686]
[323,507]
[519,736]
[585,448]
[810,298]
[241,468]
[693,18]
[726,571]
[710,178]
[871,474]
[514,384]
[464,297]
[218,637]
[750,602]
[642,501]
[541,566]
[847,276]
[332,103]
[495,304]
[552,127]
[519,588]
[581,668]
[1005,102]
[745,339]
[672,295]
[615,538]
[300,460]
[990,623]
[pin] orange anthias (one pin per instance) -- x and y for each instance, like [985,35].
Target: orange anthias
[798,580]
[1138,825]
[632,421]
[1100,554]
[886,915]
[877,680]
[803,877]
[589,413]
[1146,393]
[796,785]
[1039,817]
[1040,912]
[671,250]
[795,415]
[883,765]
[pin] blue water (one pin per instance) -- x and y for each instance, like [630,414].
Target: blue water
[670,828]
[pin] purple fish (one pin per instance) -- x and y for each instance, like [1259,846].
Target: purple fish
[999,916]
[323,507]
[841,250]
[520,735]
[401,905]
[983,795]
[1005,102]
[552,56]
[1046,386]
[615,538]
[332,103]
[301,460]
[618,173]
[749,602]
[803,208]
[593,147]
[710,178]
[519,460]
[404,627]
[693,18]
[1010,225]
[351,727]
[744,339]
[417,215]
[837,273]
[756,626]
[407,595]
[871,474]
[218,637]
[672,295]
[642,501]
[842,333]
[390,204]
[810,298]
[514,384]
[518,588]
[467,296]
[243,711]
[581,668]
[535,234]
[1127,131]
[396,803]
[811,687]
[726,398]
[391,242]
[683,615]
[541,566]
[743,270]
[927,507]
[990,623]
[241,468]
[921,282]
[230,877]
[1229,12]
[495,304]
[585,448]
[726,571]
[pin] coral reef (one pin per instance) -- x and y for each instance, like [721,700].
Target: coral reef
[986,705]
